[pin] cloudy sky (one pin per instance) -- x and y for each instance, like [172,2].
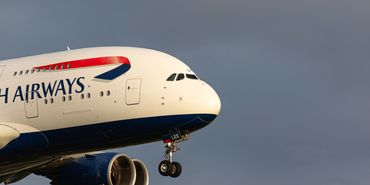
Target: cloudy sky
[293,76]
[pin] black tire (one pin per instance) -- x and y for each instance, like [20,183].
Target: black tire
[165,168]
[177,169]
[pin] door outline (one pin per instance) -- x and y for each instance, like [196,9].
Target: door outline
[133,91]
[31,107]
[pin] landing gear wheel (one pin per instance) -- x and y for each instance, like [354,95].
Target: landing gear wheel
[177,169]
[165,168]
[168,167]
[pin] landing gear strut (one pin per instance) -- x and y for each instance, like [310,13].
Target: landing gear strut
[168,167]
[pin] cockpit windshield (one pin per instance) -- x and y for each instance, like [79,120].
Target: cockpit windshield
[172,77]
[181,76]
[191,76]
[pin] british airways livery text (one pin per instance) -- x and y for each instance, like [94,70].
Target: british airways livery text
[43,90]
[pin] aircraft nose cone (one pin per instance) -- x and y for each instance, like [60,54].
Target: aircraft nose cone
[213,102]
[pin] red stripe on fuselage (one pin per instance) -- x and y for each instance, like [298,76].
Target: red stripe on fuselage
[85,63]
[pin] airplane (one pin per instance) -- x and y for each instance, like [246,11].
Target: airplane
[59,111]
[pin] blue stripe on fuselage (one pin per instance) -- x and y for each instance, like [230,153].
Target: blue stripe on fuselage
[99,136]
[114,73]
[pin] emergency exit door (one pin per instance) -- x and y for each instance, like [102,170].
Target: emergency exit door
[31,106]
[133,91]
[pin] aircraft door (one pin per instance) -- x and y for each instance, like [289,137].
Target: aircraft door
[31,106]
[133,91]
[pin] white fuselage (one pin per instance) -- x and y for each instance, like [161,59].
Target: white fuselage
[37,98]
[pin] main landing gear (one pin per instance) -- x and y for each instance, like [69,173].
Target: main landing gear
[168,167]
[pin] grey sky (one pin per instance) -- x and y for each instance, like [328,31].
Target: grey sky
[293,76]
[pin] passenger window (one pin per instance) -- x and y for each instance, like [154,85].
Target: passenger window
[180,77]
[191,76]
[172,77]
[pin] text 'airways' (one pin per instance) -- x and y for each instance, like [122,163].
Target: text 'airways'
[43,90]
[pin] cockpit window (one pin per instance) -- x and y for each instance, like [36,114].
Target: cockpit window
[181,76]
[191,76]
[172,77]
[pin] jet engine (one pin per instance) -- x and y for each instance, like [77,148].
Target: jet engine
[101,169]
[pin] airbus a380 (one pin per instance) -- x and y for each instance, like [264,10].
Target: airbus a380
[57,110]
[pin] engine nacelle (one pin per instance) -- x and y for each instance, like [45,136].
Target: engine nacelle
[102,169]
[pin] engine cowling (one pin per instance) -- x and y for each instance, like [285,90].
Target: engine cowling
[102,169]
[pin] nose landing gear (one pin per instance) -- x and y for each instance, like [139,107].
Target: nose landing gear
[168,167]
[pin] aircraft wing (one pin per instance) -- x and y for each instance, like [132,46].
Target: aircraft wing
[13,164]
